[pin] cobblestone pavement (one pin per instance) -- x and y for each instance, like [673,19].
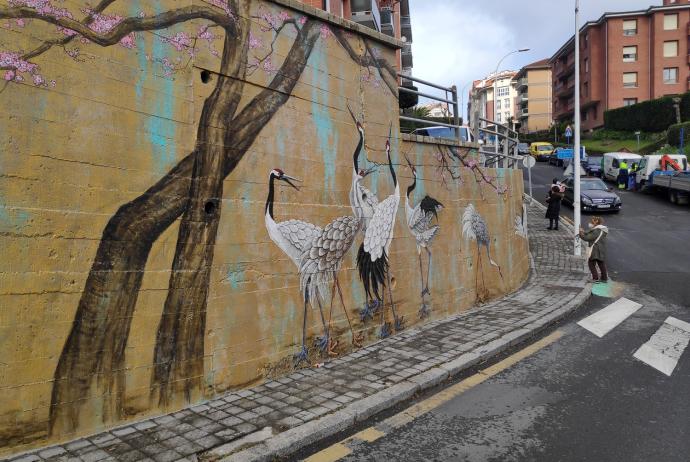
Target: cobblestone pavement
[352,385]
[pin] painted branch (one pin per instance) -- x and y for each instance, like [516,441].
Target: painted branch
[128,25]
[180,340]
[178,354]
[386,70]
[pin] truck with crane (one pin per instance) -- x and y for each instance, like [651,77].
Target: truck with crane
[667,174]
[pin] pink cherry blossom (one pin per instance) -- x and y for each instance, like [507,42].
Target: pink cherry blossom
[254,42]
[284,16]
[268,66]
[222,4]
[43,7]
[302,20]
[9,75]
[20,22]
[38,80]
[472,163]
[180,41]
[325,31]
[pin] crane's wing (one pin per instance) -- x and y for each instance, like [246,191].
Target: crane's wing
[299,233]
[328,248]
[427,235]
[417,219]
[369,197]
[378,234]
[468,222]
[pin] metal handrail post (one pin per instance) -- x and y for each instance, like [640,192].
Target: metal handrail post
[506,142]
[456,118]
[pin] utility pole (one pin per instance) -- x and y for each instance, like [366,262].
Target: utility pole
[576,148]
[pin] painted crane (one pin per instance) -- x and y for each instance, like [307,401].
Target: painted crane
[474,227]
[363,202]
[293,237]
[419,219]
[372,258]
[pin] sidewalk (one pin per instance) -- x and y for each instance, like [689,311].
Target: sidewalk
[281,416]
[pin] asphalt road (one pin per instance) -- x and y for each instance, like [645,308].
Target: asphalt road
[581,398]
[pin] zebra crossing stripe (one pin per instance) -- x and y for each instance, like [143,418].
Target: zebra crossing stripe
[604,320]
[663,350]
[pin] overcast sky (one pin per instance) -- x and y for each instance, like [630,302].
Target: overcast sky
[457,41]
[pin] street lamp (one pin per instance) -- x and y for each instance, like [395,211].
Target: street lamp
[462,104]
[576,149]
[521,50]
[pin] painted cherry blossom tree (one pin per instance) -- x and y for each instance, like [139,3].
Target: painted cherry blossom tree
[92,362]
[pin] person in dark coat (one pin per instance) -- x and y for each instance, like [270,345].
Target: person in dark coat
[553,210]
[596,237]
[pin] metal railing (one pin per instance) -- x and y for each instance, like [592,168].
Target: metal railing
[503,150]
[453,101]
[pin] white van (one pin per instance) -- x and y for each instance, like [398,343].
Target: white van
[648,164]
[612,161]
[445,132]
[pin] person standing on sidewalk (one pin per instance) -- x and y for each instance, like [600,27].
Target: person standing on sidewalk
[553,211]
[596,252]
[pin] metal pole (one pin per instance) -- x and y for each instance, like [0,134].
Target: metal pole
[529,179]
[455,112]
[576,150]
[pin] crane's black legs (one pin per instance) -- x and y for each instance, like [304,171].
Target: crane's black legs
[428,271]
[356,339]
[399,321]
[322,342]
[303,353]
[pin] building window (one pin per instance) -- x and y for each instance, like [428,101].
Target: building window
[671,49]
[630,27]
[630,79]
[586,65]
[670,21]
[584,116]
[629,54]
[629,101]
[498,117]
[503,91]
[585,89]
[507,117]
[498,104]
[506,103]
[671,75]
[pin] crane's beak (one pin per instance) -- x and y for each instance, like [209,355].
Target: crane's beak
[287,179]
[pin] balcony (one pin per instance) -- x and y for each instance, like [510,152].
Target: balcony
[366,13]
[521,83]
[523,98]
[524,113]
[565,91]
[406,56]
[406,28]
[387,21]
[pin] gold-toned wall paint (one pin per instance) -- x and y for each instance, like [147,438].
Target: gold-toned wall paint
[114,123]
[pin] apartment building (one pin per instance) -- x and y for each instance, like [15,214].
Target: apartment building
[390,17]
[534,97]
[625,58]
[482,94]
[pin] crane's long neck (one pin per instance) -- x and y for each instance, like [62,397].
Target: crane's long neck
[271,195]
[411,187]
[358,149]
[390,165]
[408,208]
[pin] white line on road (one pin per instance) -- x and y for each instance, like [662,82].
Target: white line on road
[663,350]
[604,320]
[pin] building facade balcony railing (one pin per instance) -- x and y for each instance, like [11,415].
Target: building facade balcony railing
[366,13]
[387,21]
[523,98]
[406,28]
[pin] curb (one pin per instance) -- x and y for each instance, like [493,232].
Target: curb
[291,441]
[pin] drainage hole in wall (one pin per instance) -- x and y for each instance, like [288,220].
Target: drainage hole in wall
[205,76]
[210,207]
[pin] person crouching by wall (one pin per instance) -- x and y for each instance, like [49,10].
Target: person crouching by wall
[553,210]
[596,237]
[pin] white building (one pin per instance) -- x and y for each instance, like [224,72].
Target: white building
[506,101]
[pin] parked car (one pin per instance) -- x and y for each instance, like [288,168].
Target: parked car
[541,150]
[445,132]
[593,166]
[553,158]
[523,149]
[595,195]
[612,161]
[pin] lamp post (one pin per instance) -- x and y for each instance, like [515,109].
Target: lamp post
[462,103]
[576,148]
[521,50]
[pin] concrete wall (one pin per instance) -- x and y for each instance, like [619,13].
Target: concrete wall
[138,275]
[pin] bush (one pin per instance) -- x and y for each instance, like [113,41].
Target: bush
[673,136]
[648,116]
[407,100]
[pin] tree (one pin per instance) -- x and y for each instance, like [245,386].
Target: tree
[94,352]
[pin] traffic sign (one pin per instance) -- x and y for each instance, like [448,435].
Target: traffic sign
[568,131]
[528,162]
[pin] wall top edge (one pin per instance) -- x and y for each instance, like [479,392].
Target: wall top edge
[439,141]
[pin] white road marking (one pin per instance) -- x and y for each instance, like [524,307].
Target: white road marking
[663,350]
[604,320]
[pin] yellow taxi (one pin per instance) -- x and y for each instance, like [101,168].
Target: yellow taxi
[541,150]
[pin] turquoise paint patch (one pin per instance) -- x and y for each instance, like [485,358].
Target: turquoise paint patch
[326,136]
[234,277]
[420,190]
[159,126]
[603,289]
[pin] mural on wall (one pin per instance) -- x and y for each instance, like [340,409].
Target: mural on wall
[521,223]
[93,357]
[419,221]
[372,257]
[474,227]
